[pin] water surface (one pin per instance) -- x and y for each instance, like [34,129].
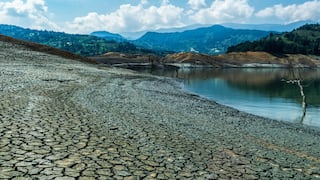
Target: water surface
[263,92]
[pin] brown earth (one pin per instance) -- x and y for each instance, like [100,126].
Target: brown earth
[193,58]
[239,59]
[235,59]
[112,58]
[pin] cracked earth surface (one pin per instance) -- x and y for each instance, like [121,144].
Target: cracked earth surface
[62,119]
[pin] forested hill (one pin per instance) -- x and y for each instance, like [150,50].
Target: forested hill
[84,45]
[209,40]
[303,40]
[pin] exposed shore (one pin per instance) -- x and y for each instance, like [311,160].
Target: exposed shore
[64,119]
[245,59]
[196,60]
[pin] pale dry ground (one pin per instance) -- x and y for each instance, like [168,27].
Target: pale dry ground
[62,119]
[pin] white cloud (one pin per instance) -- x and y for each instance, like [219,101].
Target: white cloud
[223,11]
[29,13]
[291,13]
[197,4]
[130,18]
[147,16]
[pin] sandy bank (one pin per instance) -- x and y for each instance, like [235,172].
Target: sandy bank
[63,118]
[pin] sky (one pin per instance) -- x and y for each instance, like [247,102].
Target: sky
[86,16]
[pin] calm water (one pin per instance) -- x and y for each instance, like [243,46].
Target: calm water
[264,92]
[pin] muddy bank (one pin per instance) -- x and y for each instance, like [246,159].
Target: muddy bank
[64,119]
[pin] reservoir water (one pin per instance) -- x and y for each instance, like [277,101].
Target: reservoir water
[272,93]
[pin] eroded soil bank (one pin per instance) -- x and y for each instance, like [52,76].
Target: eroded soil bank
[67,120]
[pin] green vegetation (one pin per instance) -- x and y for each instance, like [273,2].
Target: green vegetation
[304,40]
[84,45]
[108,36]
[210,40]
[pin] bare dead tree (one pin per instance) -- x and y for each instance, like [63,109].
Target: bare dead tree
[297,79]
[298,82]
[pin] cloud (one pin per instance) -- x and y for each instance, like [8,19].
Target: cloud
[149,15]
[223,11]
[292,13]
[29,13]
[197,4]
[130,18]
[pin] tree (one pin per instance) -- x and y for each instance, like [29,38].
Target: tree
[304,40]
[297,80]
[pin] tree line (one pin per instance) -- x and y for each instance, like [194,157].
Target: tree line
[85,45]
[303,40]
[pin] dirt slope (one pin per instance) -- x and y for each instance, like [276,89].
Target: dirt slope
[245,58]
[45,49]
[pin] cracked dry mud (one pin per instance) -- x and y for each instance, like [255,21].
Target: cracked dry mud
[61,119]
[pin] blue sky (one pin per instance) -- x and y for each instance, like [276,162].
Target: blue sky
[85,16]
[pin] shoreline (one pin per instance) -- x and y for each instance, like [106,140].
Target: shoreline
[185,90]
[65,119]
[179,86]
[134,65]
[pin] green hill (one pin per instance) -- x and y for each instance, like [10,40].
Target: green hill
[209,40]
[85,45]
[108,36]
[303,40]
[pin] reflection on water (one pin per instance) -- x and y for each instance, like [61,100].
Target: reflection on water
[264,92]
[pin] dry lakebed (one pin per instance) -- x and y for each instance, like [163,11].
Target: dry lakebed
[64,119]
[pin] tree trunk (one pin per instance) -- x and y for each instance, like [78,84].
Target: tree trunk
[303,96]
[304,101]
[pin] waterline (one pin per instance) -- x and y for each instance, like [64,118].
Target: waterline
[262,92]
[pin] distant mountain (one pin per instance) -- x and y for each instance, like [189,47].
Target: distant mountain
[269,27]
[209,40]
[262,27]
[108,36]
[85,45]
[181,29]
[133,35]
[136,35]
[303,40]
